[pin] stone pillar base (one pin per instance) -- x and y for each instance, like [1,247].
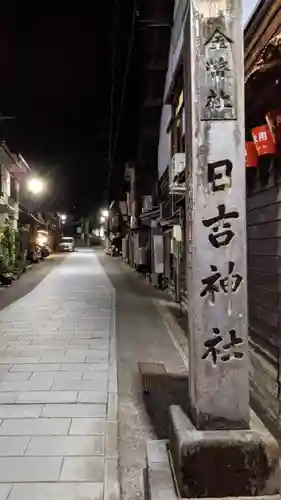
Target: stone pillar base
[159,479]
[225,463]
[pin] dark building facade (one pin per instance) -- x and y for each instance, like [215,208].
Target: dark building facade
[263,100]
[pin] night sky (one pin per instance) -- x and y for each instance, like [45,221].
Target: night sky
[56,81]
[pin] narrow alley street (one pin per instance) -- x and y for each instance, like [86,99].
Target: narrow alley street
[58,432]
[140,251]
[60,436]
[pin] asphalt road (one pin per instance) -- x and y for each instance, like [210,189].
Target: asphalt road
[29,280]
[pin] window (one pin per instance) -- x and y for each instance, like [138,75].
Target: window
[178,119]
[1,179]
[7,183]
[14,189]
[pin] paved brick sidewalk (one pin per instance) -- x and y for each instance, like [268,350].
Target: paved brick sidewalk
[58,388]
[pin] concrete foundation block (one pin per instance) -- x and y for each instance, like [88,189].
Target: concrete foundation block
[159,479]
[223,463]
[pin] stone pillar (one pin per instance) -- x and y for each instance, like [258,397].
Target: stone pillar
[216,221]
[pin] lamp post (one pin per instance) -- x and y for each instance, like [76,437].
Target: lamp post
[62,221]
[36,186]
[105,218]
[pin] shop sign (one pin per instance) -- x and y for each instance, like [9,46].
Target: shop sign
[263,140]
[251,154]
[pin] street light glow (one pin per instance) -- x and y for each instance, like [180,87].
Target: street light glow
[102,219]
[36,186]
[105,213]
[63,217]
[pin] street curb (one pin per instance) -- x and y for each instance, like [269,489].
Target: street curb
[159,480]
[174,330]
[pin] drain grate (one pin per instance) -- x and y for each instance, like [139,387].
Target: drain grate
[149,372]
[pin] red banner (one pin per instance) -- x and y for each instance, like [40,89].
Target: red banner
[273,119]
[251,154]
[263,140]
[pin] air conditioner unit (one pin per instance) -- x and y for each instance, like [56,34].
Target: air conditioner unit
[142,256]
[134,222]
[177,167]
[146,203]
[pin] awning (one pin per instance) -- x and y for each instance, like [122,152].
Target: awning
[7,209]
[152,214]
[26,218]
[174,220]
[167,229]
[269,59]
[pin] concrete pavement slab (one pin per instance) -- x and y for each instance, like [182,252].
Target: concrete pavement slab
[57,376]
[84,367]
[57,491]
[87,426]
[35,426]
[29,469]
[92,344]
[43,397]
[97,356]
[95,375]
[35,367]
[30,385]
[79,385]
[81,469]
[74,410]
[4,491]
[20,411]
[64,446]
[13,446]
[92,397]
[15,376]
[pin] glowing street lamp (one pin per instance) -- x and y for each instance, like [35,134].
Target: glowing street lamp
[63,217]
[105,213]
[102,219]
[36,186]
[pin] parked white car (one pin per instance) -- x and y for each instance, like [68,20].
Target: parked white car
[67,244]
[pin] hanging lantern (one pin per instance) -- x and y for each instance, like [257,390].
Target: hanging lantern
[273,119]
[251,154]
[263,140]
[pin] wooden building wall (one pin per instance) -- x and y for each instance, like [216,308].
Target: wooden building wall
[171,204]
[264,287]
[263,93]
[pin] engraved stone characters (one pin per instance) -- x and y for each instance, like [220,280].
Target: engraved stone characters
[222,233]
[216,349]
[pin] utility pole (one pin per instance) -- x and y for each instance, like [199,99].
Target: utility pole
[216,219]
